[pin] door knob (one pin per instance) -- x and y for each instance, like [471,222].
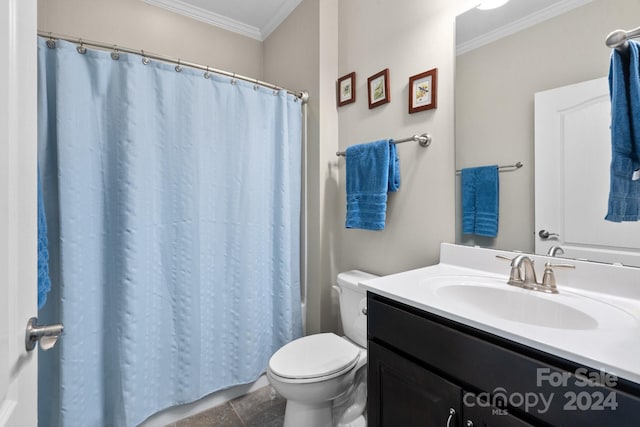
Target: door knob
[36,332]
[544,234]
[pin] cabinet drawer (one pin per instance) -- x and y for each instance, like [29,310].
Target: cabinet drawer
[475,361]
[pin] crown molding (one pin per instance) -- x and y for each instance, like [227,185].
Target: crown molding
[208,17]
[520,24]
[281,14]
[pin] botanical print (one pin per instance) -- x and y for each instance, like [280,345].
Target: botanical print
[378,89]
[345,90]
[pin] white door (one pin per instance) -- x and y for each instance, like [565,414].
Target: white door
[18,262]
[572,159]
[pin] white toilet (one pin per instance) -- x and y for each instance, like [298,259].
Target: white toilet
[312,371]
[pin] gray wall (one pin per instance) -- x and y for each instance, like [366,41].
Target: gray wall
[408,37]
[302,53]
[495,85]
[135,24]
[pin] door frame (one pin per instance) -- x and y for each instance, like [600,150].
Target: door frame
[18,223]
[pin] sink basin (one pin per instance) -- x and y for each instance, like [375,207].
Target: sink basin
[485,296]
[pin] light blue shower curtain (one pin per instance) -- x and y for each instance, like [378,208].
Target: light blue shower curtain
[173,205]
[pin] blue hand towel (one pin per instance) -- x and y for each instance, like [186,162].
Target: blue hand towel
[468,177]
[372,171]
[624,89]
[44,283]
[480,200]
[394,169]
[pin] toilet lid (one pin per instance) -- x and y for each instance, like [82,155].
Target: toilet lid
[314,356]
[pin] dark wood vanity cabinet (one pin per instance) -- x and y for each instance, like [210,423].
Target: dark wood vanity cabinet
[405,393]
[425,370]
[488,416]
[415,396]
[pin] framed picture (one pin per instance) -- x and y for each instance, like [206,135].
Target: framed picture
[378,87]
[423,91]
[346,89]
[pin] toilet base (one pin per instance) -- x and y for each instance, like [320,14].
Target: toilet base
[308,414]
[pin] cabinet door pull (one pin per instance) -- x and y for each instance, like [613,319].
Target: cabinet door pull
[469,423]
[452,412]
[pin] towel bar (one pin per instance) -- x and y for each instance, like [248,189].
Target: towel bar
[503,168]
[424,140]
[618,39]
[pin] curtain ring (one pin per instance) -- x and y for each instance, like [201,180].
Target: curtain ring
[233,79]
[81,49]
[256,85]
[51,44]
[145,60]
[207,74]
[178,68]
[115,55]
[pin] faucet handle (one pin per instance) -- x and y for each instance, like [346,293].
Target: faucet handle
[506,258]
[551,265]
[548,284]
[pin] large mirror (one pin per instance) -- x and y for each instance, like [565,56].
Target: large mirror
[504,57]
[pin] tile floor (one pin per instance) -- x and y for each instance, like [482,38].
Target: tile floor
[262,408]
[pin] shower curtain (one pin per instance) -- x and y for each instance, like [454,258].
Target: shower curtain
[173,206]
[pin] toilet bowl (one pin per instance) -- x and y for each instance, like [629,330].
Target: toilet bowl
[312,371]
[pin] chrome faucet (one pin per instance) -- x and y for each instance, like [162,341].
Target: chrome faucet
[555,251]
[523,274]
[523,264]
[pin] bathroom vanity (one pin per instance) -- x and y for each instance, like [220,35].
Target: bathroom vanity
[454,345]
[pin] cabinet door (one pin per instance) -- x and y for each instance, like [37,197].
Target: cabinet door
[402,393]
[477,414]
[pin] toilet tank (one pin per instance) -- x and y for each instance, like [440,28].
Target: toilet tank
[352,300]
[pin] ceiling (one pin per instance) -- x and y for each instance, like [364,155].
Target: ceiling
[251,18]
[475,27]
[258,18]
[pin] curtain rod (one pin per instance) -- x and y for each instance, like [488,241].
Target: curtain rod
[303,96]
[424,140]
[503,168]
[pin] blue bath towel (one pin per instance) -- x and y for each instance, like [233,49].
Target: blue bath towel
[624,89]
[480,200]
[44,283]
[372,171]
[394,169]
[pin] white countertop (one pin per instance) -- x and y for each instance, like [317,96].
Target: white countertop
[613,346]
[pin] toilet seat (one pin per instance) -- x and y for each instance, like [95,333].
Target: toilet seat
[316,357]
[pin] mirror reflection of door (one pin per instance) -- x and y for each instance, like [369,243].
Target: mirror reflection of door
[572,157]
[498,74]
